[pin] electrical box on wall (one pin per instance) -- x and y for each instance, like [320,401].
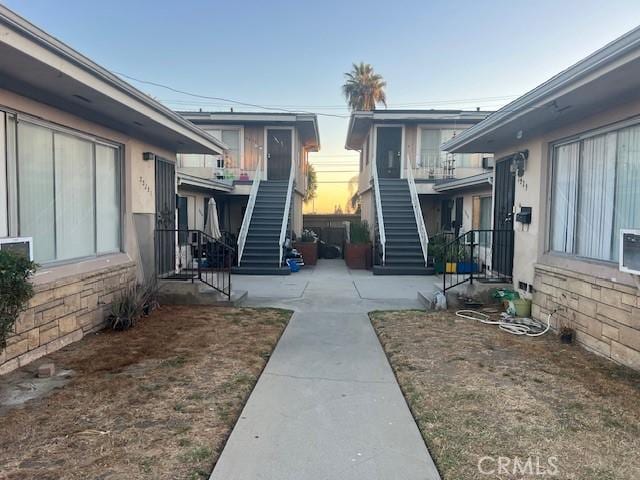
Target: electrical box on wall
[524,215]
[630,251]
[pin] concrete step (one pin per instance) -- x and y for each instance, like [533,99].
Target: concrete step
[402,270]
[260,270]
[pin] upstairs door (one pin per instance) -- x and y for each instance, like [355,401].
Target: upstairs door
[505,185]
[279,153]
[389,151]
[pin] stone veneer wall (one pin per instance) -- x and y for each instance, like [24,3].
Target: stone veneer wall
[605,315]
[62,312]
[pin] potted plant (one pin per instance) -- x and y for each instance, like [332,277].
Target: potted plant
[357,252]
[308,246]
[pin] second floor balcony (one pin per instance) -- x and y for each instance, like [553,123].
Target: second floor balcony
[445,166]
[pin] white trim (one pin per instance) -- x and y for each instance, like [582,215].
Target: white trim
[4,207]
[623,232]
[265,152]
[402,141]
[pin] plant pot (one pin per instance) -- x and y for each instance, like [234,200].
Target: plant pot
[357,255]
[308,250]
[467,267]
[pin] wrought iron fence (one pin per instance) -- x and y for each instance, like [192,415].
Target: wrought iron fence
[476,255]
[198,256]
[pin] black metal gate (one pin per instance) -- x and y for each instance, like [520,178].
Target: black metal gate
[165,216]
[505,183]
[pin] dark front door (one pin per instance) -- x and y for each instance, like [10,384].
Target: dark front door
[165,216]
[445,215]
[389,151]
[459,208]
[278,154]
[505,184]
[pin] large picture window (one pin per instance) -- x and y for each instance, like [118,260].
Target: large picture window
[595,192]
[68,194]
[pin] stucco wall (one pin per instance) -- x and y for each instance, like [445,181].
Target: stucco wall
[532,190]
[591,296]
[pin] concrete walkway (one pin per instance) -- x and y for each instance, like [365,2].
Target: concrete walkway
[327,405]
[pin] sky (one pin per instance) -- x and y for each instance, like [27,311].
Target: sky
[293,54]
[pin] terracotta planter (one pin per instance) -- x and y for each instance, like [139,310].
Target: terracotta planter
[308,250]
[358,255]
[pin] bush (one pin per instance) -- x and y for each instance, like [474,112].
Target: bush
[15,290]
[308,236]
[133,303]
[359,233]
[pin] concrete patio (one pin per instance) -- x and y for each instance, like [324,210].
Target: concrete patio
[328,405]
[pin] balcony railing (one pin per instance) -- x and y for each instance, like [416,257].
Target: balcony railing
[445,166]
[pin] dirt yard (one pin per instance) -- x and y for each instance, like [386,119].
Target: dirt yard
[478,392]
[155,402]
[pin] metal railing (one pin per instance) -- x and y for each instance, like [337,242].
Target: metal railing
[476,255]
[198,256]
[246,221]
[417,211]
[379,217]
[285,215]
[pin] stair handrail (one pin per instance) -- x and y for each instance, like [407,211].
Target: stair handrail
[246,221]
[417,211]
[376,187]
[285,215]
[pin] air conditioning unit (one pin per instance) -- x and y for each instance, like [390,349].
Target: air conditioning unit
[630,251]
[20,245]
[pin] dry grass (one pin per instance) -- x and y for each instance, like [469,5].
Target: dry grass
[154,402]
[476,391]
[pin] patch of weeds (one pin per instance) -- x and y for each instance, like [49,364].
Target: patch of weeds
[175,362]
[179,407]
[146,464]
[198,474]
[149,387]
[184,442]
[196,454]
[195,396]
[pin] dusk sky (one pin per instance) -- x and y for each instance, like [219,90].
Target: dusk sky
[293,54]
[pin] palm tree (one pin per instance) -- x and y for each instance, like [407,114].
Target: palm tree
[364,89]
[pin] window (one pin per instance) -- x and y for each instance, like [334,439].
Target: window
[200,160]
[595,192]
[68,194]
[485,220]
[430,155]
[232,138]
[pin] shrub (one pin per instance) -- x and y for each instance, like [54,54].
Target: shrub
[134,302]
[308,236]
[359,232]
[15,290]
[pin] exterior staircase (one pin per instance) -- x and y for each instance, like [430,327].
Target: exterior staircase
[404,254]
[261,254]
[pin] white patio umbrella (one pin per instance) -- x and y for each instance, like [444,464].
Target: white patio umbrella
[211,226]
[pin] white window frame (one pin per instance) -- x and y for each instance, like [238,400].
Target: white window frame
[578,137]
[4,205]
[60,129]
[239,128]
[265,152]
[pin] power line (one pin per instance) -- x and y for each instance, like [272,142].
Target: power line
[236,102]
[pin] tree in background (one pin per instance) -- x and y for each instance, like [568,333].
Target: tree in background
[312,184]
[363,88]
